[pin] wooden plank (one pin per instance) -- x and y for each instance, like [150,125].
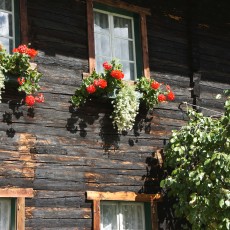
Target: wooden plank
[124,196]
[96,214]
[154,216]
[91,47]
[125,6]
[23,22]
[21,213]
[145,52]
[16,192]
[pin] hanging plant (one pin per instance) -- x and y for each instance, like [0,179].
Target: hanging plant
[125,97]
[19,65]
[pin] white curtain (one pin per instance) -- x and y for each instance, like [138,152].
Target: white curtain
[122,216]
[5,214]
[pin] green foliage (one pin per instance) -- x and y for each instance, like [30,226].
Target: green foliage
[199,156]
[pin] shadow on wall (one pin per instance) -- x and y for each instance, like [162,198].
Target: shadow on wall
[95,117]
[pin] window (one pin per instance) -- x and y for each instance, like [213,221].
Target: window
[122,215]
[118,30]
[124,210]
[12,208]
[8,25]
[7,214]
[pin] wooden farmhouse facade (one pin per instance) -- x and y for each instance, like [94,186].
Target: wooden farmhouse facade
[63,168]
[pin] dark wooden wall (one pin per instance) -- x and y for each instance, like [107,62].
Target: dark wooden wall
[61,152]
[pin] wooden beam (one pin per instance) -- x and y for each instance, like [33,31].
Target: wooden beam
[91,47]
[123,196]
[16,192]
[125,6]
[96,215]
[154,216]
[144,40]
[24,22]
[21,213]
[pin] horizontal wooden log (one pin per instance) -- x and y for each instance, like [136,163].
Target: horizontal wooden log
[122,196]
[16,192]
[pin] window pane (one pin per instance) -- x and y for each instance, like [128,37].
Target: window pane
[123,49]
[102,45]
[128,69]
[109,217]
[132,217]
[5,214]
[122,27]
[6,5]
[5,24]
[101,23]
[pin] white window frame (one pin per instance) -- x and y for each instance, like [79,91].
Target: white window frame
[111,16]
[13,24]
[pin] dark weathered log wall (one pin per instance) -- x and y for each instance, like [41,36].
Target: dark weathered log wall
[61,153]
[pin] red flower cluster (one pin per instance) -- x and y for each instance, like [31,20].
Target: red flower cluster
[21,81]
[155,85]
[23,49]
[107,66]
[161,97]
[117,74]
[101,83]
[170,96]
[91,89]
[30,99]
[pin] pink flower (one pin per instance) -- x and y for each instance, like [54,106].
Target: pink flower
[91,89]
[40,98]
[107,66]
[30,100]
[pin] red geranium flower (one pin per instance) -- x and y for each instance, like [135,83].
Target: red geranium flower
[101,83]
[40,98]
[155,85]
[170,96]
[107,66]
[23,49]
[161,97]
[91,89]
[30,100]
[21,81]
[32,52]
[117,74]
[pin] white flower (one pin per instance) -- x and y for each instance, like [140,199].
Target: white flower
[126,106]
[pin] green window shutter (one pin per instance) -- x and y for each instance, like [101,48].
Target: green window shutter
[148,222]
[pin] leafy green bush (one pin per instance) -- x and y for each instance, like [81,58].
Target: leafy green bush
[199,157]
